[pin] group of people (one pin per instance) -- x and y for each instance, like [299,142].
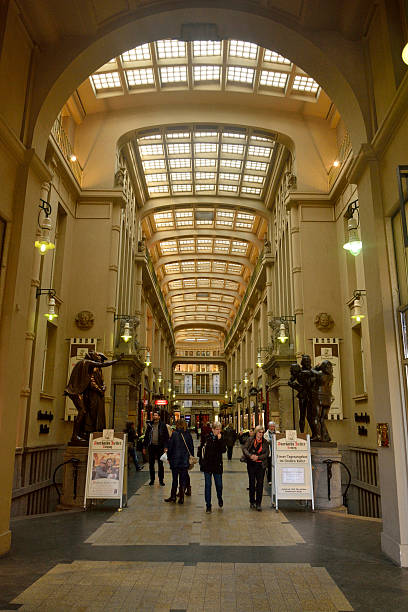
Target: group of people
[177,447]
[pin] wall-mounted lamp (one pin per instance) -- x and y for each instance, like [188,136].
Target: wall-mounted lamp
[405,54]
[246,380]
[259,361]
[50,314]
[127,331]
[283,335]
[160,377]
[169,388]
[226,395]
[44,244]
[147,360]
[235,388]
[354,244]
[174,395]
[355,305]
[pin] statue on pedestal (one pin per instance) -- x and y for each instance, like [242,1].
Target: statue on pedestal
[313,386]
[86,389]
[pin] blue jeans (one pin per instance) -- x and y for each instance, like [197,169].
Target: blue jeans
[218,486]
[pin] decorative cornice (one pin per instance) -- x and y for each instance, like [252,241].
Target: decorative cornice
[116,196]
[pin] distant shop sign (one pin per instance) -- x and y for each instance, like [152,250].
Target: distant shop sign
[161,402]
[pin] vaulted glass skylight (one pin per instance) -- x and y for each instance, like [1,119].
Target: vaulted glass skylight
[234,65]
[218,160]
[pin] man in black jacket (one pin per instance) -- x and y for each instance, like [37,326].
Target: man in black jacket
[156,441]
[211,463]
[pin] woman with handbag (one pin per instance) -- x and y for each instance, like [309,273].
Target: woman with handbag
[212,465]
[180,449]
[256,452]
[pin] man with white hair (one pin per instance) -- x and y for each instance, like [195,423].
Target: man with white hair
[269,433]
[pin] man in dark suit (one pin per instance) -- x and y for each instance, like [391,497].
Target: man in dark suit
[156,441]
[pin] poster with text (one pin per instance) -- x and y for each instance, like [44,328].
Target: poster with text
[106,461]
[293,476]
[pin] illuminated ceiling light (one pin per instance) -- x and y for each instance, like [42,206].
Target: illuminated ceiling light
[336,163]
[73,157]
[51,314]
[259,361]
[405,54]
[282,336]
[44,244]
[126,332]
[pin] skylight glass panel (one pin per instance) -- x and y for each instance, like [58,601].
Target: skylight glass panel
[188,266]
[170,48]
[225,213]
[237,149]
[240,135]
[256,137]
[239,48]
[156,178]
[173,74]
[177,298]
[206,48]
[158,189]
[205,134]
[231,163]
[204,222]
[175,285]
[205,176]
[253,178]
[231,188]
[206,73]
[219,266]
[227,298]
[205,147]
[179,147]
[180,163]
[240,74]
[153,149]
[159,216]
[184,222]
[106,80]
[236,244]
[203,282]
[183,213]
[181,176]
[189,282]
[269,78]
[272,56]
[224,222]
[168,247]
[228,176]
[305,84]
[182,188]
[204,266]
[164,225]
[243,225]
[210,163]
[217,284]
[251,190]
[234,268]
[142,52]
[255,165]
[172,268]
[154,164]
[141,76]
[231,285]
[259,151]
[146,136]
[202,187]
[178,134]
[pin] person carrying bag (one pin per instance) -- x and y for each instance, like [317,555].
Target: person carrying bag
[256,452]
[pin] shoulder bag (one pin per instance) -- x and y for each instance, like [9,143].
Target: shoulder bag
[191,460]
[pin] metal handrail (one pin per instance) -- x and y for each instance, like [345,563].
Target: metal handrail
[64,145]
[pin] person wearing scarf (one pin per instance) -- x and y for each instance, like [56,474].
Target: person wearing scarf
[256,452]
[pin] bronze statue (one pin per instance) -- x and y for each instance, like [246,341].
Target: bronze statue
[303,380]
[86,389]
[324,396]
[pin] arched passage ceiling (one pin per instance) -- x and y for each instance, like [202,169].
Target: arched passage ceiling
[203,186]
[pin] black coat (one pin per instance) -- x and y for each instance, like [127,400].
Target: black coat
[212,454]
[177,453]
[163,435]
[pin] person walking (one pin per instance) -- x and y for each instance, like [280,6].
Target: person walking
[212,465]
[180,447]
[256,452]
[269,434]
[132,439]
[230,437]
[155,441]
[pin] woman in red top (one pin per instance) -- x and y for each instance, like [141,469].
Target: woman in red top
[256,451]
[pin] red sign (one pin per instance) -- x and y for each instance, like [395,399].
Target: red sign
[161,402]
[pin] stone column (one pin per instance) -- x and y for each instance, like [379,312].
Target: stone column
[300,345]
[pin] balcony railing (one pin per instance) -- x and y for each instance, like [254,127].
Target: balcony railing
[156,284]
[64,145]
[252,282]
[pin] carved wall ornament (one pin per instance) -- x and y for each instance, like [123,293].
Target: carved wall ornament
[84,319]
[324,321]
[290,181]
[120,177]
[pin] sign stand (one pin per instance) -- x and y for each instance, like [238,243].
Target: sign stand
[291,468]
[106,476]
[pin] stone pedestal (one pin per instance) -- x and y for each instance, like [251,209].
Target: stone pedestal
[67,497]
[321,451]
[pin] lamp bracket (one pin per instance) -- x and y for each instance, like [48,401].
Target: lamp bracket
[46,207]
[127,318]
[351,209]
[39,291]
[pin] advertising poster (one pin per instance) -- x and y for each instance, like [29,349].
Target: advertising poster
[292,468]
[106,465]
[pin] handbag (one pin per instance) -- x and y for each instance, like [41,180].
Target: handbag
[191,460]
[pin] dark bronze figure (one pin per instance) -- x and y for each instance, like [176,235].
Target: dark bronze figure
[86,389]
[313,387]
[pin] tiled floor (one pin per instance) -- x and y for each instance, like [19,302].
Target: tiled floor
[163,557]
